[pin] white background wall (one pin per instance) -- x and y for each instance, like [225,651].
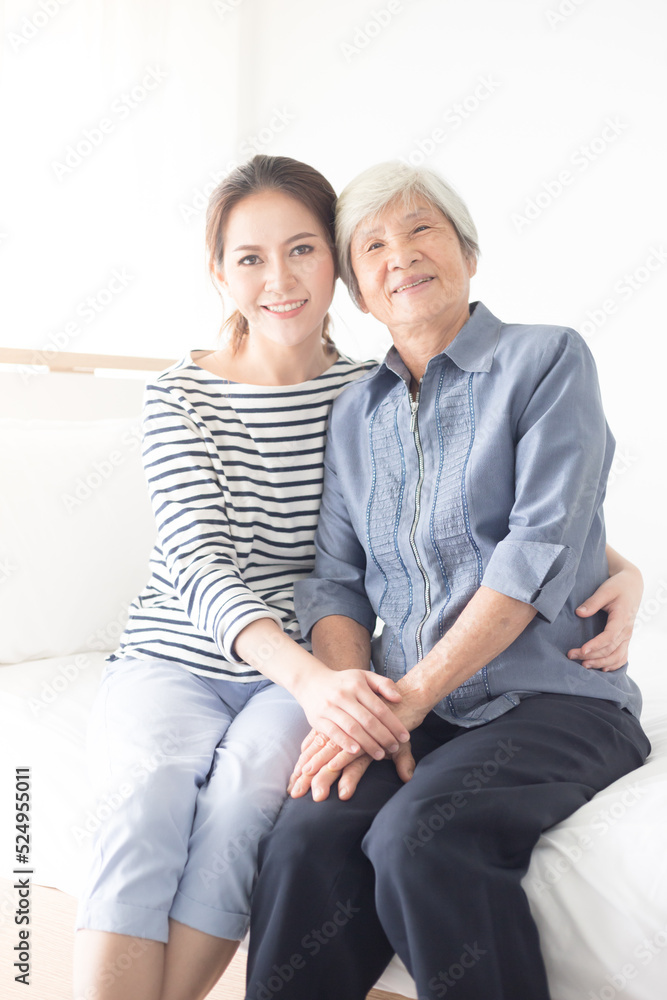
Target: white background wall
[502,96]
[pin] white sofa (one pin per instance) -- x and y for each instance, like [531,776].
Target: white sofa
[75,533]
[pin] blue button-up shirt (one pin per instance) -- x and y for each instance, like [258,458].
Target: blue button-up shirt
[495,475]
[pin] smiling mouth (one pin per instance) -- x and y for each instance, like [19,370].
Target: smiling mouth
[286,307]
[413,284]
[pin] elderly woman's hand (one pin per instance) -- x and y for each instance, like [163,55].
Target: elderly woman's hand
[620,597]
[317,754]
[331,763]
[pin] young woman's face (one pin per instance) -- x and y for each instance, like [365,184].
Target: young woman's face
[278,267]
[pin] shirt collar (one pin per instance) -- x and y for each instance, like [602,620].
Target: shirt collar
[471,350]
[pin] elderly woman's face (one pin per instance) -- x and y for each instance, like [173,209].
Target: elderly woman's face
[411,270]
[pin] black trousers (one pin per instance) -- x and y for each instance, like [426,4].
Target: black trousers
[432,869]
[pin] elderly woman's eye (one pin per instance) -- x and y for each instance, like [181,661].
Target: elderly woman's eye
[422,227]
[372,246]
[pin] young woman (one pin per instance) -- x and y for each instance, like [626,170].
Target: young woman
[202,709]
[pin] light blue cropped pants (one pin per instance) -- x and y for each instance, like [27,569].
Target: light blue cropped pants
[193,772]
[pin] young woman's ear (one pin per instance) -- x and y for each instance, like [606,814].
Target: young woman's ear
[220,277]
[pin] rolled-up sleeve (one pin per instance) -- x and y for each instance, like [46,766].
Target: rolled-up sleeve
[336,586]
[562,457]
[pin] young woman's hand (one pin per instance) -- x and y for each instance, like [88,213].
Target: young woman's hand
[349,707]
[620,597]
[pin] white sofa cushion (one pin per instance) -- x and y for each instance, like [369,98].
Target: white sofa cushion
[61,482]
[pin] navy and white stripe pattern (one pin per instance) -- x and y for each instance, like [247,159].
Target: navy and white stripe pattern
[235,477]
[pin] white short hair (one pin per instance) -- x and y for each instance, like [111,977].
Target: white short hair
[373,190]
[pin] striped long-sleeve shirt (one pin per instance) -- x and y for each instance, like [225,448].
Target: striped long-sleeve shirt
[235,478]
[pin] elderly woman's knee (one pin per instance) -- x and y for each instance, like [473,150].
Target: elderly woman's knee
[406,832]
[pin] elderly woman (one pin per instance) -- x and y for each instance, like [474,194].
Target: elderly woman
[462,506]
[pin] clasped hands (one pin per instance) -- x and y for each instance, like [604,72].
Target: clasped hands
[361,711]
[323,762]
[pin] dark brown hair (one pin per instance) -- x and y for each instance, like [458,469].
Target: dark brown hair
[267,173]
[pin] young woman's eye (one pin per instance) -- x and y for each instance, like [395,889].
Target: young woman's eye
[251,258]
[302,249]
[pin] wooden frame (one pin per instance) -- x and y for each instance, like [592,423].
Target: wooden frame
[66,361]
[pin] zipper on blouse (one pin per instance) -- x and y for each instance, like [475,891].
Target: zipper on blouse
[414,428]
